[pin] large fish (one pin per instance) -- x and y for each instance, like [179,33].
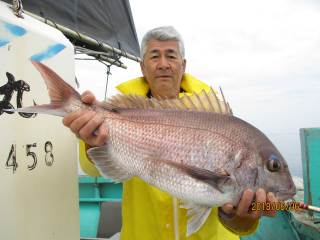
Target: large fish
[202,157]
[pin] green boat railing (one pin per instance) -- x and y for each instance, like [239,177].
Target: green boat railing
[93,192]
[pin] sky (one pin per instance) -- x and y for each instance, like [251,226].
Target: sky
[265,55]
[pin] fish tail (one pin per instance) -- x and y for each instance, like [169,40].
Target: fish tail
[60,94]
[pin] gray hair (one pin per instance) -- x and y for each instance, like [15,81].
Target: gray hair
[162,34]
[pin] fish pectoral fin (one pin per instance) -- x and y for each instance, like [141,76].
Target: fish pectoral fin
[107,167]
[200,215]
[204,175]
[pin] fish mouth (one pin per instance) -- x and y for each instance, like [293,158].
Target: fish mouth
[285,194]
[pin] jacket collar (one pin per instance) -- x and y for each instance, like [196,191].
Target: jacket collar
[140,86]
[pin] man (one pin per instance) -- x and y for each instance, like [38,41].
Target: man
[149,213]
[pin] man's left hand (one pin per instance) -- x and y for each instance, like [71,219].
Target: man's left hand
[243,208]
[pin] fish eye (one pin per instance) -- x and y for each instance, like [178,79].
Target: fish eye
[274,165]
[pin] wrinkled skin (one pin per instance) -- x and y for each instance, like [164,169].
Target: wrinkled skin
[82,122]
[163,68]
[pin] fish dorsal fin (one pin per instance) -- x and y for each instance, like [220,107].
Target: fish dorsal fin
[198,101]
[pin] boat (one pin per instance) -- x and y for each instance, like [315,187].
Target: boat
[39,177]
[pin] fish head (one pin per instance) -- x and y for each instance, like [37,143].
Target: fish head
[274,174]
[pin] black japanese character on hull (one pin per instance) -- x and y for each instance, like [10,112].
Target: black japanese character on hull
[8,89]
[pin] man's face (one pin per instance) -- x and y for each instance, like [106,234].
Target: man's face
[163,66]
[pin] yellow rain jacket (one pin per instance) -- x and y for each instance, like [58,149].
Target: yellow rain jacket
[147,212]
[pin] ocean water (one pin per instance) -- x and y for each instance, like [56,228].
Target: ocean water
[289,147]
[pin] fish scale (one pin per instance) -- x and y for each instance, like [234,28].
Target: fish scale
[143,136]
[204,158]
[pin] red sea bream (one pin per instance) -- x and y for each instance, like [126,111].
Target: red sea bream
[203,156]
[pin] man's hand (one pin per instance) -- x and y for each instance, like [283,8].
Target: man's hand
[82,122]
[243,209]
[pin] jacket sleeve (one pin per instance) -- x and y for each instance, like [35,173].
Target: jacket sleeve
[241,226]
[87,166]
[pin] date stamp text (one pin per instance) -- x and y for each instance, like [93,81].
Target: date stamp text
[278,206]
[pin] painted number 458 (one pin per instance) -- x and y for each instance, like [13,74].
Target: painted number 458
[12,160]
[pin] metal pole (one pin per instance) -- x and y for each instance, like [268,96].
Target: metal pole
[82,37]
[109,60]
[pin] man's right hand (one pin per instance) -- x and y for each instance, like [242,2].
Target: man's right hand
[82,122]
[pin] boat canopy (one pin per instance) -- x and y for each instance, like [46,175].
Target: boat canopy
[107,21]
